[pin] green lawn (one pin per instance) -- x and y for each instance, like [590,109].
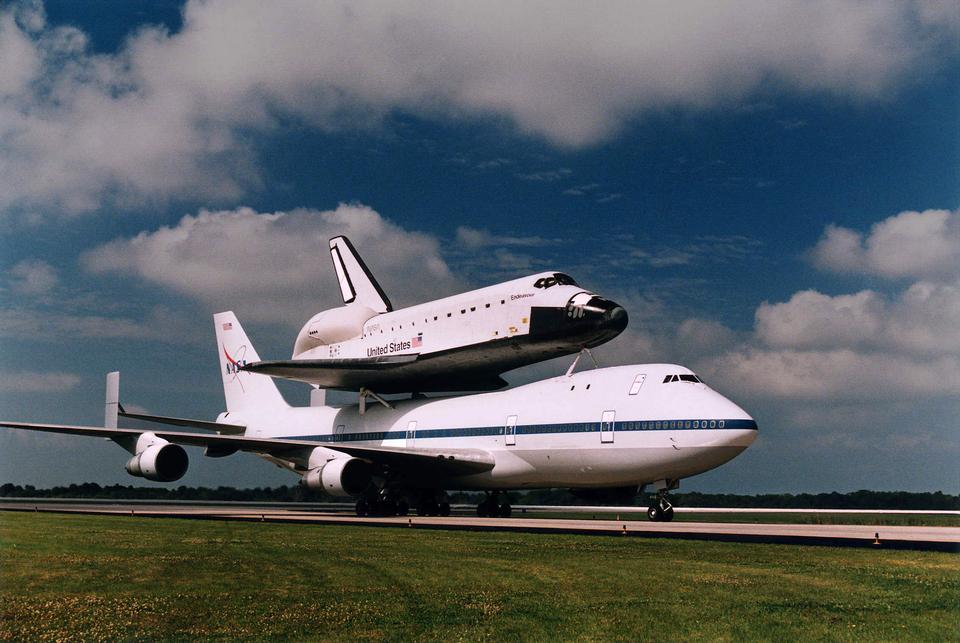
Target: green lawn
[96,577]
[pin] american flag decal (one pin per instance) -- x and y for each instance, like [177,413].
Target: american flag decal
[228,326]
[417,341]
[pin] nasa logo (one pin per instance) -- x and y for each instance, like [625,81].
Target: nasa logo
[234,365]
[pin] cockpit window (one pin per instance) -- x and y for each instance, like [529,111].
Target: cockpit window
[558,279]
[684,377]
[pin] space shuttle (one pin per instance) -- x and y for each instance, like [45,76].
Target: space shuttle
[460,343]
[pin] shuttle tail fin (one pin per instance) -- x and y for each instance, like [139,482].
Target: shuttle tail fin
[241,389]
[356,282]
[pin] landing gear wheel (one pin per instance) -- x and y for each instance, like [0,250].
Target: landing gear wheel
[504,510]
[444,508]
[487,508]
[655,513]
[667,514]
[362,507]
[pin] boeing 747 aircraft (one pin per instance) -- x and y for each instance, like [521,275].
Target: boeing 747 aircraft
[459,343]
[622,427]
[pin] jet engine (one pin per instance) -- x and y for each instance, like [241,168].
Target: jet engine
[160,462]
[332,326]
[340,477]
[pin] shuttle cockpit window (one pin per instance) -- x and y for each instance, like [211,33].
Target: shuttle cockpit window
[557,279]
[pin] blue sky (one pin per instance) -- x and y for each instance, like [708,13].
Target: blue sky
[772,190]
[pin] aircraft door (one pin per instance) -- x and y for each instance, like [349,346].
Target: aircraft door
[510,431]
[411,433]
[606,426]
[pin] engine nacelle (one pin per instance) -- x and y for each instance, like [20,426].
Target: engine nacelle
[160,462]
[332,326]
[340,477]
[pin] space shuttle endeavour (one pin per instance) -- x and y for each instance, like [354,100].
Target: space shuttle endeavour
[458,343]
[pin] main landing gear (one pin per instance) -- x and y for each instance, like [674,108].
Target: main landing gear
[660,510]
[428,504]
[495,505]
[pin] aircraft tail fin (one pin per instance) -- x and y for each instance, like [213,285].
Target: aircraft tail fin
[241,389]
[356,282]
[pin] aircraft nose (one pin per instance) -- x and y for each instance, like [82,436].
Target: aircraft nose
[615,318]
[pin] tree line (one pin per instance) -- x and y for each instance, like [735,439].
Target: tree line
[863,499]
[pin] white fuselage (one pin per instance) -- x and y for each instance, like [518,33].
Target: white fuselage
[596,428]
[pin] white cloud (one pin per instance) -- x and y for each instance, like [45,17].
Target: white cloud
[700,337]
[838,374]
[160,118]
[864,345]
[910,244]
[33,277]
[813,320]
[32,382]
[474,238]
[276,267]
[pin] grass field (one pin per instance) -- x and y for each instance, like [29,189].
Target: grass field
[97,577]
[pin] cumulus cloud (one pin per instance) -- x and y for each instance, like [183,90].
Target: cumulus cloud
[276,266]
[865,345]
[838,374]
[907,245]
[170,114]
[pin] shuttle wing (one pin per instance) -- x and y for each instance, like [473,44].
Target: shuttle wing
[386,374]
[451,462]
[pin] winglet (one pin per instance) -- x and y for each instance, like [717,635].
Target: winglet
[112,404]
[356,282]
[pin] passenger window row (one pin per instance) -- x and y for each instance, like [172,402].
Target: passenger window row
[670,424]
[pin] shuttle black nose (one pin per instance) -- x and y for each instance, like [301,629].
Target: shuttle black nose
[615,318]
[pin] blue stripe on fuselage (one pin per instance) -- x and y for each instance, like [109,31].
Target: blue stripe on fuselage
[533,429]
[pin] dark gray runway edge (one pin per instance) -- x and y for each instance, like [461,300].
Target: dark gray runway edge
[946,539]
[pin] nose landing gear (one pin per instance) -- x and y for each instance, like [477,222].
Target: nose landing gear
[660,510]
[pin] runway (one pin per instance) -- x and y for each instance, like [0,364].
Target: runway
[878,537]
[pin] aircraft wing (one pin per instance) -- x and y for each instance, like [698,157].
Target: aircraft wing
[220,427]
[451,462]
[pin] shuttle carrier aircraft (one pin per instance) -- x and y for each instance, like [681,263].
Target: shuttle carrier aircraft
[622,427]
[460,343]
